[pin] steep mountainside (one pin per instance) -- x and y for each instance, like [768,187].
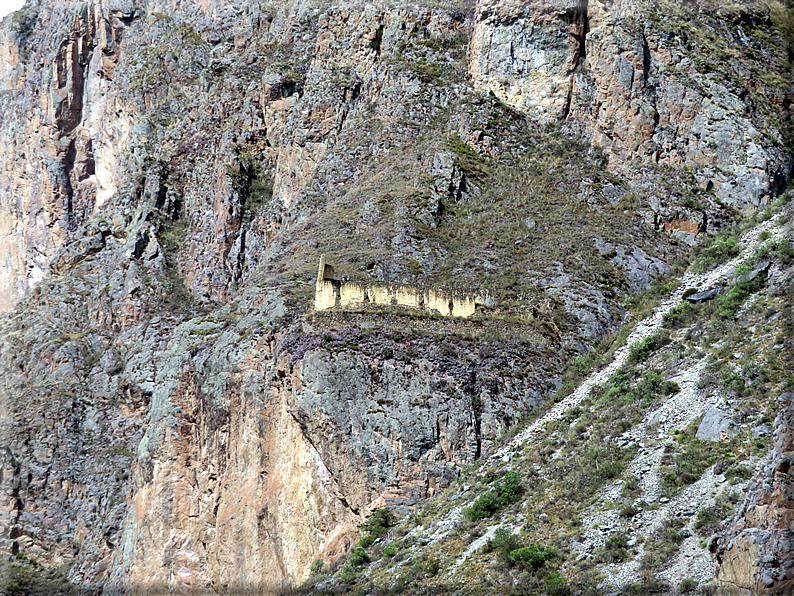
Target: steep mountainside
[176,417]
[664,471]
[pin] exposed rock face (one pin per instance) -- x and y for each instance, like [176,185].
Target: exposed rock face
[255,451]
[526,53]
[756,557]
[173,418]
[625,73]
[66,128]
[715,426]
[229,490]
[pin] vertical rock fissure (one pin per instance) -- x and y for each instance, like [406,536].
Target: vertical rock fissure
[238,274]
[68,189]
[476,404]
[309,438]
[577,17]
[646,58]
[578,27]
[377,41]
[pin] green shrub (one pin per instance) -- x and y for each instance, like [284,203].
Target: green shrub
[651,386]
[506,490]
[631,487]
[664,543]
[623,376]
[648,584]
[532,556]
[785,252]
[346,574]
[509,488]
[734,382]
[720,250]
[472,163]
[24,576]
[589,469]
[684,461]
[679,315]
[615,550]
[317,567]
[431,567]
[709,518]
[425,70]
[687,585]
[728,304]
[556,585]
[376,526]
[642,350]
[483,506]
[382,519]
[617,540]
[740,472]
[503,542]
[359,557]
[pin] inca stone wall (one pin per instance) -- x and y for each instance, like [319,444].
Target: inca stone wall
[331,293]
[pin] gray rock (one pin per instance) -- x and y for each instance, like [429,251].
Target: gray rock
[764,430]
[715,426]
[702,296]
[762,267]
[534,54]
[640,267]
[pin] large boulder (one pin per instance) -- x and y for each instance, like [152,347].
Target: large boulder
[715,426]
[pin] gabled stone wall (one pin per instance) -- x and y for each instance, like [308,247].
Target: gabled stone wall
[332,293]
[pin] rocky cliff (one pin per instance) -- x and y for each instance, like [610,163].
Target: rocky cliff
[175,416]
[659,83]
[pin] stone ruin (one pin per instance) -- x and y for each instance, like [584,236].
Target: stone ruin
[332,293]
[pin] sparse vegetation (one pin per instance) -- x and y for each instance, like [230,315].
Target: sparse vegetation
[317,567]
[503,543]
[505,491]
[472,163]
[709,518]
[532,557]
[739,291]
[254,182]
[376,526]
[615,550]
[685,460]
[680,315]
[718,251]
[664,543]
[23,576]
[687,585]
[642,350]
[497,215]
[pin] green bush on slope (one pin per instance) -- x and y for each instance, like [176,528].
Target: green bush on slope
[506,490]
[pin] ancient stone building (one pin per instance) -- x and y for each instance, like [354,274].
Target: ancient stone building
[332,293]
